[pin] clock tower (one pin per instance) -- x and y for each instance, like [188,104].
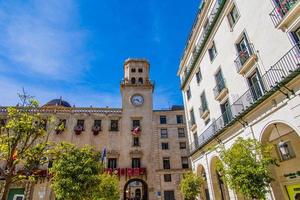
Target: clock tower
[137,118]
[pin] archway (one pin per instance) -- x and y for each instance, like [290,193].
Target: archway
[135,189]
[204,193]
[219,186]
[286,143]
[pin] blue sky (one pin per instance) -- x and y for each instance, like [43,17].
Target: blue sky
[76,49]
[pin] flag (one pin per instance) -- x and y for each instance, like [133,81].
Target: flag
[136,130]
[103,154]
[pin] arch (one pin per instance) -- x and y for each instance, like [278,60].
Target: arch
[274,133]
[220,188]
[204,193]
[268,126]
[132,80]
[140,80]
[142,187]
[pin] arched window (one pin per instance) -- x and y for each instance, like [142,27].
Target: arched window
[133,80]
[140,80]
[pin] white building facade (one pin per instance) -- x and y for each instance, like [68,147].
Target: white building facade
[239,78]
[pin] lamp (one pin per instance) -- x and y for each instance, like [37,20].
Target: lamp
[283,146]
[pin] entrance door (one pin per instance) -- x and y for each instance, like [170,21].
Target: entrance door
[135,189]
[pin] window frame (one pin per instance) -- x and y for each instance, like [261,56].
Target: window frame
[167,177]
[165,146]
[181,134]
[232,21]
[166,163]
[166,133]
[162,119]
[212,52]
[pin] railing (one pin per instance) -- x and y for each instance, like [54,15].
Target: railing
[212,19]
[191,123]
[219,87]
[243,57]
[279,74]
[280,10]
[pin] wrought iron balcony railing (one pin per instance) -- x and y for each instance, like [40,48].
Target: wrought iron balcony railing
[244,56]
[281,10]
[287,68]
[219,87]
[211,21]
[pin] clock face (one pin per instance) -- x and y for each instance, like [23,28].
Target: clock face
[137,99]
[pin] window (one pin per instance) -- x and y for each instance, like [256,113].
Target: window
[179,119]
[244,50]
[163,119]
[167,178]
[164,145]
[136,123]
[133,80]
[181,133]
[203,102]
[255,85]
[188,93]
[114,125]
[136,141]
[140,80]
[296,35]
[112,163]
[220,83]
[198,76]
[233,16]
[97,122]
[226,112]
[140,70]
[185,162]
[80,122]
[196,142]
[182,145]
[192,117]
[169,195]
[163,133]
[166,163]
[136,163]
[133,70]
[212,52]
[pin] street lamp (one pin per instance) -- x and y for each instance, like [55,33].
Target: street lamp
[283,146]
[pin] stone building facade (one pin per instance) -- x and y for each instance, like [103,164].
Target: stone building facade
[240,78]
[146,148]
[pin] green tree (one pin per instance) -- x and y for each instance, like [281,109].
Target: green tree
[23,142]
[75,172]
[108,187]
[246,167]
[190,186]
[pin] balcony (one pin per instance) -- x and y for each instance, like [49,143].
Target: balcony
[96,129]
[220,90]
[245,60]
[212,19]
[204,112]
[281,73]
[285,14]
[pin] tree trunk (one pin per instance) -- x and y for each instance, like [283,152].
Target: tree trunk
[6,189]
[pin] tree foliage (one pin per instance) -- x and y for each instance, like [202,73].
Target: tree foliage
[23,142]
[108,187]
[190,186]
[246,167]
[77,175]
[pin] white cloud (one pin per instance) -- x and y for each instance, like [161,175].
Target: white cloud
[43,38]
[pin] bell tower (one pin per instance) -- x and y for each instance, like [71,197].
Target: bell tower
[137,115]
